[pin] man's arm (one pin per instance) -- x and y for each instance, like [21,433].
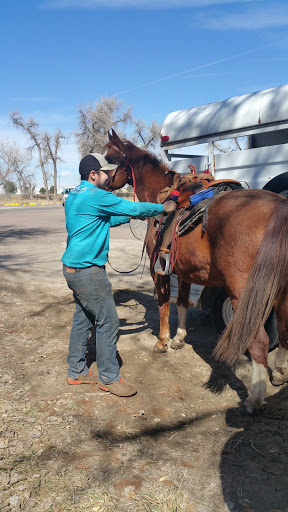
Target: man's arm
[117,221]
[109,204]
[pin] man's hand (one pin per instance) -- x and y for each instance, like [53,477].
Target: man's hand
[169,206]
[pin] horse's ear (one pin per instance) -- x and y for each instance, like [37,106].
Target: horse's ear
[110,136]
[115,136]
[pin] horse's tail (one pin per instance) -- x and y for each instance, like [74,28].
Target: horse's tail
[266,279]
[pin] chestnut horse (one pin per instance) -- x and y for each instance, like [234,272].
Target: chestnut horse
[244,249]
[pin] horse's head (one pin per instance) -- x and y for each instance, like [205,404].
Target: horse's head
[115,153]
[137,167]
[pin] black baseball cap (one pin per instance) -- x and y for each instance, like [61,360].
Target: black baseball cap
[95,162]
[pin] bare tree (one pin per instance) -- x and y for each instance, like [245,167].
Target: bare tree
[14,165]
[146,136]
[95,121]
[26,182]
[31,127]
[5,173]
[52,146]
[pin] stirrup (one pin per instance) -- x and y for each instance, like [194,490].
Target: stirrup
[158,267]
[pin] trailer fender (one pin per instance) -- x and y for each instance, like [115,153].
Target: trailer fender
[279,184]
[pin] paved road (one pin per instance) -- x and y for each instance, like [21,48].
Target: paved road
[33,240]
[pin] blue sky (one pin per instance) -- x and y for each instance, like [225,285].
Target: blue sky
[156,55]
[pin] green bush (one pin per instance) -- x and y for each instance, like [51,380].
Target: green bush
[10,187]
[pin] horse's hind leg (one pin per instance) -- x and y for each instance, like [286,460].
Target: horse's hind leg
[280,374]
[182,307]
[259,353]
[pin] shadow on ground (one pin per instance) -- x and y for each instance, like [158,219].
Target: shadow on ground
[256,458]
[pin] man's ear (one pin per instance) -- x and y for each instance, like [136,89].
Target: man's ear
[91,175]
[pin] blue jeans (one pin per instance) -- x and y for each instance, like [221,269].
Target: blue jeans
[94,304]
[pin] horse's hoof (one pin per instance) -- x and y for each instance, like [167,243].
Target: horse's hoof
[160,349]
[249,405]
[176,344]
[278,379]
[252,406]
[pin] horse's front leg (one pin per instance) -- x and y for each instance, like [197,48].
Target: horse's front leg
[162,284]
[182,307]
[259,353]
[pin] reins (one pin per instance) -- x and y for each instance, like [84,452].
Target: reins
[131,177]
[143,250]
[133,270]
[119,171]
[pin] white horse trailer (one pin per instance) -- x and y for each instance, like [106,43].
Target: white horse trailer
[244,138]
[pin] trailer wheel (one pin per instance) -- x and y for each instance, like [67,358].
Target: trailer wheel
[222,312]
[279,184]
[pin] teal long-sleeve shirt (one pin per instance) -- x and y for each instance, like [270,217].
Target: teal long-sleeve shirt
[90,212]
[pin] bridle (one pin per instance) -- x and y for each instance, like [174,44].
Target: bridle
[129,175]
[129,171]
[130,181]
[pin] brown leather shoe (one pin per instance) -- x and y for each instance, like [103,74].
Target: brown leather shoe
[119,388]
[83,379]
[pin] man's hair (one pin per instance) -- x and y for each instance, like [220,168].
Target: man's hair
[85,176]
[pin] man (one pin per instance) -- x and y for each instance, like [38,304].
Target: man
[90,212]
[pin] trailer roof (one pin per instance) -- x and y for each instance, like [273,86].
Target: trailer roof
[234,114]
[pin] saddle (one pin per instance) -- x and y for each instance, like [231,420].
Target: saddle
[187,185]
[204,190]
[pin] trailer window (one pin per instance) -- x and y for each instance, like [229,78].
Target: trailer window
[229,145]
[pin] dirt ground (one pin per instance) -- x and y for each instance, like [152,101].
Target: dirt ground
[181,444]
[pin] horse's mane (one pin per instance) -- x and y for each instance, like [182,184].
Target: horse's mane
[134,152]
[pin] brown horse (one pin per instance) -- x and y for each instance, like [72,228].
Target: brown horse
[244,249]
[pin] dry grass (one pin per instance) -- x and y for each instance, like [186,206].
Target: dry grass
[21,200]
[40,199]
[103,501]
[51,485]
